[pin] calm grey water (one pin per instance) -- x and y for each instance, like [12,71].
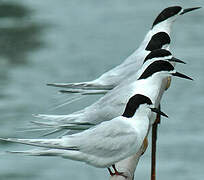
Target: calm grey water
[67,41]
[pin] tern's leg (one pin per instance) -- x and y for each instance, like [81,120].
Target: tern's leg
[118,173]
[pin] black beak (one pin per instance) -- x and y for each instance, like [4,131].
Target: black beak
[189,9]
[181,75]
[173,59]
[158,112]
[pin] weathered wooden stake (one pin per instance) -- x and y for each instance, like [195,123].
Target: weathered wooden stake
[154,143]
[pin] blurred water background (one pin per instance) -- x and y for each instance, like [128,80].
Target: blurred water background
[76,40]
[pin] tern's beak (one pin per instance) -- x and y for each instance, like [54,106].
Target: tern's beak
[189,9]
[181,75]
[173,59]
[158,112]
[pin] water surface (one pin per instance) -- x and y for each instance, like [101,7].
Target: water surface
[67,41]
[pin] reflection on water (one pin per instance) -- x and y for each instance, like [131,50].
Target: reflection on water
[17,41]
[13,10]
[18,35]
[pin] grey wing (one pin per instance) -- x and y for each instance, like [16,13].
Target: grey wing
[107,139]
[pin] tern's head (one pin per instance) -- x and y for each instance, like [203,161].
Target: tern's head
[158,41]
[170,14]
[161,28]
[161,54]
[160,69]
[141,104]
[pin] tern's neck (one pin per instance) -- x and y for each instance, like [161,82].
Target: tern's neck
[157,79]
[164,26]
[143,110]
[141,120]
[150,87]
[160,85]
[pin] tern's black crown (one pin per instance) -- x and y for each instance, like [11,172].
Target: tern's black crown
[133,103]
[156,66]
[158,53]
[157,41]
[167,13]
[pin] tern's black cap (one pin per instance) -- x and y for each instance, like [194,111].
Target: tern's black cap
[133,103]
[157,54]
[167,13]
[155,67]
[157,41]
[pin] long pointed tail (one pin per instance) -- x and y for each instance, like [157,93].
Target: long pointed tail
[91,85]
[61,124]
[84,92]
[45,152]
[68,126]
[74,155]
[39,152]
[47,143]
[55,118]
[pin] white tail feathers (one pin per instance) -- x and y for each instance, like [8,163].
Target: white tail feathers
[83,92]
[74,155]
[68,85]
[70,126]
[53,117]
[40,152]
[59,123]
[92,85]
[47,143]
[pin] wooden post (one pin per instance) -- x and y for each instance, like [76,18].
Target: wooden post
[154,143]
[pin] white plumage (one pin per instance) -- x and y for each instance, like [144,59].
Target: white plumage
[113,103]
[157,37]
[104,144]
